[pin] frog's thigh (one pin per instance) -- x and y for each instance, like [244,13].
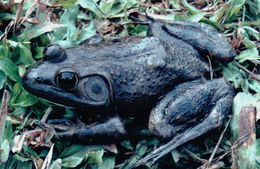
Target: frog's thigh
[200,106]
[201,36]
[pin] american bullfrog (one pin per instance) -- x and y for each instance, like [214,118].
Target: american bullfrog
[164,76]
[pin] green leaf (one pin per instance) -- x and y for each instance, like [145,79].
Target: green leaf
[2,79]
[9,69]
[8,131]
[21,97]
[118,9]
[197,17]
[21,70]
[175,155]
[83,16]
[11,163]
[87,32]
[5,149]
[189,7]
[235,7]
[105,6]
[248,156]
[67,36]
[39,52]
[219,13]
[233,74]
[95,157]
[175,3]
[21,158]
[67,3]
[253,7]
[246,32]
[59,34]
[37,30]
[249,54]
[254,85]
[24,165]
[29,152]
[141,149]
[139,30]
[252,32]
[22,53]
[248,43]
[7,16]
[75,154]
[127,144]
[72,161]
[66,43]
[212,23]
[107,163]
[57,164]
[92,6]
[69,19]
[4,51]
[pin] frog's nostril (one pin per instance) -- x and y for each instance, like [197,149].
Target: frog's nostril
[26,81]
[38,79]
[31,77]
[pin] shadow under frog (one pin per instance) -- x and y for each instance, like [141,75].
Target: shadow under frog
[164,74]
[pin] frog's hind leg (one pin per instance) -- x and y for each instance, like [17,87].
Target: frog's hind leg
[187,112]
[203,37]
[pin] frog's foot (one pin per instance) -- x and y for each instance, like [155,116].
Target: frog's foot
[189,111]
[63,125]
[112,128]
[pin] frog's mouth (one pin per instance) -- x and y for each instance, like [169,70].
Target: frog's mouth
[51,93]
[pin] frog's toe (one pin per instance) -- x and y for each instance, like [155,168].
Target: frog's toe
[61,121]
[71,131]
[113,128]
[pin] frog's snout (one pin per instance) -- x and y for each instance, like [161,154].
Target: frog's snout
[32,79]
[29,80]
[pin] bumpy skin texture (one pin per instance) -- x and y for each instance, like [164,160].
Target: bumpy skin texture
[140,69]
[163,73]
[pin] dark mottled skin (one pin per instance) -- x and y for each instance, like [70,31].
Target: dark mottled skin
[164,73]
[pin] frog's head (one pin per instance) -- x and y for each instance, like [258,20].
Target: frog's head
[67,81]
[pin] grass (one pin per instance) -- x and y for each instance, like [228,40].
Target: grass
[26,27]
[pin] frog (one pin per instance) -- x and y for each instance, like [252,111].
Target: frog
[164,77]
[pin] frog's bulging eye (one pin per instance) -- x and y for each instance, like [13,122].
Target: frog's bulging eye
[67,80]
[96,88]
[54,53]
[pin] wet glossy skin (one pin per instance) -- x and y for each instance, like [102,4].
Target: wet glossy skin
[164,73]
[137,68]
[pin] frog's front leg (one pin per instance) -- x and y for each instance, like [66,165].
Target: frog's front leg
[187,112]
[113,128]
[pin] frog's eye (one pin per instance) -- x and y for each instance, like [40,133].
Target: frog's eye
[96,88]
[67,80]
[54,53]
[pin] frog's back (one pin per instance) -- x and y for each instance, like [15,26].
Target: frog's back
[151,53]
[124,48]
[141,68]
